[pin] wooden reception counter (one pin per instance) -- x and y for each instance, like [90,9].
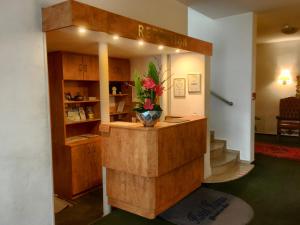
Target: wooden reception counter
[150,169]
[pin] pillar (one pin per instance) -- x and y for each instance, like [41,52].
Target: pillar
[104,104]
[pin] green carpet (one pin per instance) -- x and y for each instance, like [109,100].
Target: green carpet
[272,189]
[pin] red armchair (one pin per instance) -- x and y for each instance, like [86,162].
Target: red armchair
[288,120]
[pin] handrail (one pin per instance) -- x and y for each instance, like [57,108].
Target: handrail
[221,98]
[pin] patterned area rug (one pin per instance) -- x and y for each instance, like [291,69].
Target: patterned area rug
[278,151]
[209,207]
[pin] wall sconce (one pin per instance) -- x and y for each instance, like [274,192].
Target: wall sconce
[285,77]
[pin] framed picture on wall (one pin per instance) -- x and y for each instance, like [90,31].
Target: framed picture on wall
[179,87]
[194,83]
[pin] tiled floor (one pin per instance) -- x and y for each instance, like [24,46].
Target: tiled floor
[85,210]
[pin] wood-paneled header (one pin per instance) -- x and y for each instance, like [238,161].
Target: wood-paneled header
[72,13]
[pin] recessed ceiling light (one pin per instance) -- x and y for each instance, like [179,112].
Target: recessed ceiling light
[82,30]
[177,50]
[141,42]
[116,37]
[161,47]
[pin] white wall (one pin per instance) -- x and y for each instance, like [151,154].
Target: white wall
[271,59]
[25,156]
[231,76]
[181,66]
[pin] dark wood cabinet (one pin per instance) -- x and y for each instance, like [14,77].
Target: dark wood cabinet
[119,69]
[79,67]
[86,167]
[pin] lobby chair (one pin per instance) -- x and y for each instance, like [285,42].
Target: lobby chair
[288,121]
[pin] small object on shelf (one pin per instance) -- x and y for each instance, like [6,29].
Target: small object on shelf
[82,113]
[121,106]
[120,92]
[78,97]
[89,112]
[73,114]
[68,96]
[114,90]
[92,98]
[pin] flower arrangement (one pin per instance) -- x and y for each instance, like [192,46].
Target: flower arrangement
[148,90]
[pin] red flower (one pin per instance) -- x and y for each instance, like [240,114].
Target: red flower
[148,83]
[148,105]
[158,90]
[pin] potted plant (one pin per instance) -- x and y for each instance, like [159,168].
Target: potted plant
[148,89]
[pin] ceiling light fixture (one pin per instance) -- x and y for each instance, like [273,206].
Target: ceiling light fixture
[141,42]
[116,37]
[161,47]
[177,50]
[82,30]
[288,29]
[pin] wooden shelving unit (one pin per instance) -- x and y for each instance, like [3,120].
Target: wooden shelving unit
[76,161]
[119,76]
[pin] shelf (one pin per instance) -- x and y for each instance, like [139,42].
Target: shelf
[118,113]
[78,102]
[118,95]
[82,121]
[82,141]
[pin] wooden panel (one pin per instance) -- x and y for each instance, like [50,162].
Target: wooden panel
[56,16]
[91,67]
[173,186]
[178,146]
[72,66]
[131,151]
[96,164]
[119,69]
[81,168]
[153,152]
[149,197]
[60,160]
[99,20]
[134,190]
[86,167]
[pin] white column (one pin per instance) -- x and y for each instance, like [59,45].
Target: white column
[164,97]
[207,166]
[104,103]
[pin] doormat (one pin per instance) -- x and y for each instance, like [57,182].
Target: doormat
[278,151]
[60,204]
[209,207]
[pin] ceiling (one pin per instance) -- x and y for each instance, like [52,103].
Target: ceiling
[222,8]
[272,15]
[69,39]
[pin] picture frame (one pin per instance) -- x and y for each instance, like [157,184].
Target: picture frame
[179,87]
[194,83]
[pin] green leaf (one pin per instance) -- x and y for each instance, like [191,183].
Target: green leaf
[138,87]
[152,72]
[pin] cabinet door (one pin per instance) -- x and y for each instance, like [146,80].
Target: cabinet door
[81,167]
[90,67]
[72,66]
[119,69]
[96,164]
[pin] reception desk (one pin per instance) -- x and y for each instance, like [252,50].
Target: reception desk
[150,169]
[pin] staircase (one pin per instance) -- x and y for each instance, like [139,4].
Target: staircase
[225,163]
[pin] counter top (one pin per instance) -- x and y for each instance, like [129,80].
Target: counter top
[176,121]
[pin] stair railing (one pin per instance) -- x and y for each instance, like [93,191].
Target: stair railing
[221,98]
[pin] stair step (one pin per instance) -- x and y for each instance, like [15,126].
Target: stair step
[217,148]
[236,172]
[224,162]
